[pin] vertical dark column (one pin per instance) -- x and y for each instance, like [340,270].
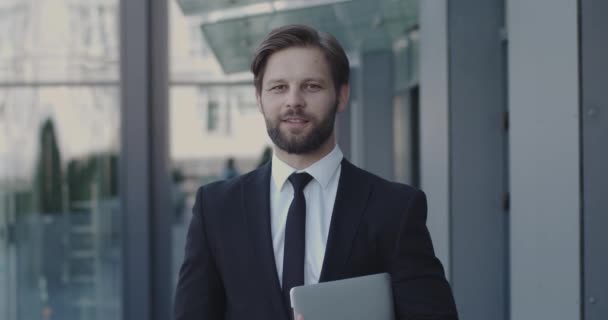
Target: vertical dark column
[414,95]
[144,163]
[594,121]
[162,212]
[135,166]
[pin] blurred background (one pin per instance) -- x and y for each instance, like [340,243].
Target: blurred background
[114,112]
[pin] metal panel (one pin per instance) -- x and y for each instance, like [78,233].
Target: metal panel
[144,163]
[594,53]
[544,159]
[135,168]
[161,215]
[434,147]
[477,138]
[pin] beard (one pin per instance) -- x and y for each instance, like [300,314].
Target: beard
[317,136]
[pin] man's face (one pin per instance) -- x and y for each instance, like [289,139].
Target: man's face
[298,99]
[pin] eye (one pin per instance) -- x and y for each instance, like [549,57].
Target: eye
[278,88]
[313,87]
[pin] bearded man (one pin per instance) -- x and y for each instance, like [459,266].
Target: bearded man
[308,215]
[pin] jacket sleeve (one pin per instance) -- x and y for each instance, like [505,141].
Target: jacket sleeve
[420,288]
[199,294]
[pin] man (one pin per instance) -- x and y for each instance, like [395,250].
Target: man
[309,215]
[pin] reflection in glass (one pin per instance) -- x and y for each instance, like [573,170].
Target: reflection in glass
[216,132]
[211,124]
[58,40]
[59,208]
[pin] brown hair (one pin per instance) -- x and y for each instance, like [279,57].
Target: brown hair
[301,36]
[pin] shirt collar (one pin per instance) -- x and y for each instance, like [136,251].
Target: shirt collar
[322,170]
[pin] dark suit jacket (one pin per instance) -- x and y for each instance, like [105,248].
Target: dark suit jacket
[377,226]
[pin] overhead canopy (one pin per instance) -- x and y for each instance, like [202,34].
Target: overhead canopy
[357,24]
[194,7]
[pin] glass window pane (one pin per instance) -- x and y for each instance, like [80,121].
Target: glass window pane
[191,58]
[200,153]
[60,218]
[58,40]
[60,238]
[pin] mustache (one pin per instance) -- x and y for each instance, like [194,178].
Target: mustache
[295,113]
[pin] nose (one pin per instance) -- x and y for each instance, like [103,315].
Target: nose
[295,98]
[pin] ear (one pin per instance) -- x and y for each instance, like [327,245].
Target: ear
[343,96]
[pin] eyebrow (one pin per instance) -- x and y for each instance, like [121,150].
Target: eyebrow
[272,81]
[321,80]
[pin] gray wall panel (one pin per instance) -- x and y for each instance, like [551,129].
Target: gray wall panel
[377,110]
[594,51]
[477,138]
[434,147]
[544,159]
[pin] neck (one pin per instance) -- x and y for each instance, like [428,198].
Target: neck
[303,161]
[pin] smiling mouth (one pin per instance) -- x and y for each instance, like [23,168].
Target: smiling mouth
[295,125]
[295,120]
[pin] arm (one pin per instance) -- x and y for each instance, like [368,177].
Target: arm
[199,294]
[419,285]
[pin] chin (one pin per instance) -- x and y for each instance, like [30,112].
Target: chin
[296,134]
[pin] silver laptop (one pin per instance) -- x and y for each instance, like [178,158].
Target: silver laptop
[361,298]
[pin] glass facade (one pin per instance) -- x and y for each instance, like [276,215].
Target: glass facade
[60,217]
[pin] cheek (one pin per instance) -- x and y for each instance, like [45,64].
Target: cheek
[321,106]
[271,102]
[272,114]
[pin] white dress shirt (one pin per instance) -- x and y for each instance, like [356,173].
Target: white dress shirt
[320,194]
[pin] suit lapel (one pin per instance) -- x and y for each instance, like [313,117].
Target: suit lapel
[256,199]
[351,199]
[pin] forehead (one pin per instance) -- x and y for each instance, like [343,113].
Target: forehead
[297,63]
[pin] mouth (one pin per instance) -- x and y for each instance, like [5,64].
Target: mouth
[294,122]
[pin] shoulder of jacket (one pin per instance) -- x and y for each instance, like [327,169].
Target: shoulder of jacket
[384,185]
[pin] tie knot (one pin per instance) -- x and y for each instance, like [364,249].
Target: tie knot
[299,180]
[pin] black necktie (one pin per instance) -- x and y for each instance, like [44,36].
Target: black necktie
[295,234]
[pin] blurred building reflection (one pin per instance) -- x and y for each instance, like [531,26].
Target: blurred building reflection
[60,133]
